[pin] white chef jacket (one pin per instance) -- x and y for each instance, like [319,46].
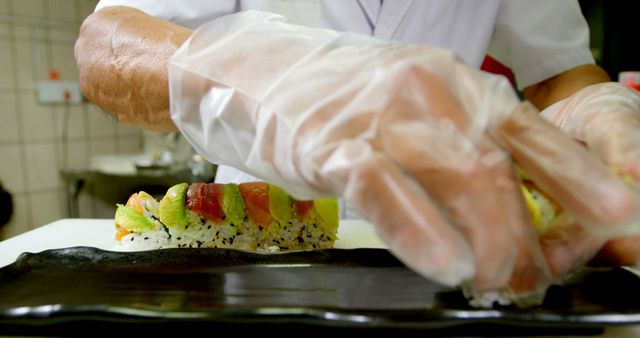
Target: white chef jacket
[536,39]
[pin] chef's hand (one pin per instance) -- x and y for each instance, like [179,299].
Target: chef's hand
[422,144]
[606,118]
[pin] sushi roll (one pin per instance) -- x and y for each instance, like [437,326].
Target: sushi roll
[546,214]
[253,216]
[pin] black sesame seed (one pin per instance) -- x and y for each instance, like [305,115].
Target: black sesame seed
[217,233]
[231,240]
[209,227]
[179,238]
[132,239]
[186,226]
[300,239]
[146,238]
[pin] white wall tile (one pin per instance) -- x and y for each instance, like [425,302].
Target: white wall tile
[4,6]
[128,131]
[75,123]
[32,61]
[100,124]
[63,61]
[38,121]
[32,8]
[26,32]
[8,117]
[22,32]
[24,64]
[7,80]
[46,207]
[63,36]
[19,222]
[129,144]
[42,167]
[62,10]
[103,146]
[4,30]
[78,157]
[11,170]
[86,8]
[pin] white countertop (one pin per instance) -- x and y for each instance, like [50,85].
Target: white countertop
[60,234]
[100,233]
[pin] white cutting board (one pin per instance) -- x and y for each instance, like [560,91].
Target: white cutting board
[100,233]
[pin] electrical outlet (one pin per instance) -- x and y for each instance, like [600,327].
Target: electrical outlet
[59,92]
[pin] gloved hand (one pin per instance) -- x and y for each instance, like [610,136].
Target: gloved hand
[606,118]
[420,143]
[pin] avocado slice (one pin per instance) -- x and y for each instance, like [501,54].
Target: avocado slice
[232,204]
[534,209]
[131,220]
[327,209]
[279,204]
[173,213]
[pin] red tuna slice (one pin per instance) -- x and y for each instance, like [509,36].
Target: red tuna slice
[204,199]
[211,205]
[193,200]
[302,208]
[256,200]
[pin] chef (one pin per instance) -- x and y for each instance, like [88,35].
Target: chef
[381,103]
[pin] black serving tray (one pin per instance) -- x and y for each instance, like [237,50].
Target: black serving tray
[77,290]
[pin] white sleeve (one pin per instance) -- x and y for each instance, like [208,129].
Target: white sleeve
[187,13]
[540,39]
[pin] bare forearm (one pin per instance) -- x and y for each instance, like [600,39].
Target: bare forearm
[563,85]
[122,56]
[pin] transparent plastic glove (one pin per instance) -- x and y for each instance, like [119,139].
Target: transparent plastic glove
[606,118]
[418,141]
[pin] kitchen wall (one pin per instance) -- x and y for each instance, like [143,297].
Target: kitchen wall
[37,36]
